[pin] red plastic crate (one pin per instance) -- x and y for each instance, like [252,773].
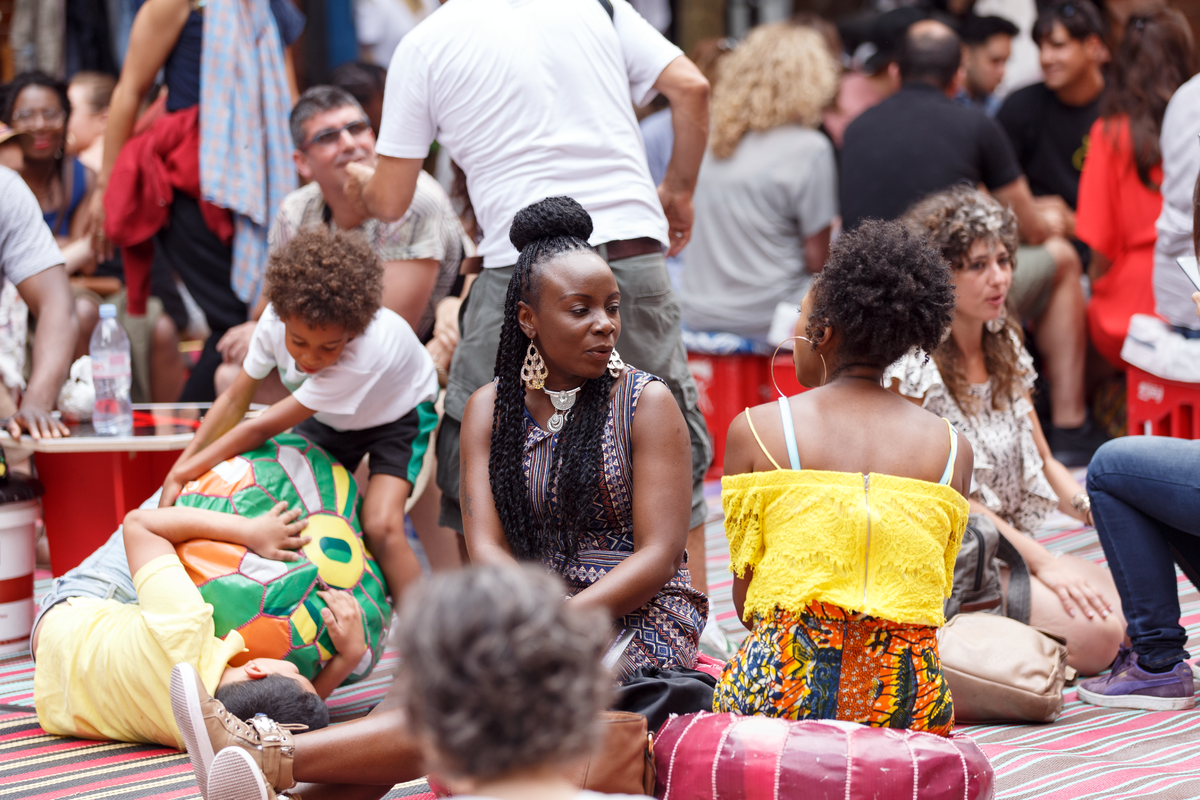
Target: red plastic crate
[1159,407]
[729,384]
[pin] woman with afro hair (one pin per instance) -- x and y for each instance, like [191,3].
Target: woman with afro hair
[572,458]
[845,505]
[980,378]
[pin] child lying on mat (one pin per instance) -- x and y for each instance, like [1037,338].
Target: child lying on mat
[104,643]
[360,381]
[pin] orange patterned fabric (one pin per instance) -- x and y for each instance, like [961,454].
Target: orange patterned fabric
[827,663]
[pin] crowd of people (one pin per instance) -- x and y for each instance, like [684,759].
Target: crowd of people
[492,260]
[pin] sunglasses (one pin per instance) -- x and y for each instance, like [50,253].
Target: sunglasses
[330,136]
[50,117]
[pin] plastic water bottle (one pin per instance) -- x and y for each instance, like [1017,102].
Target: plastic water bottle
[112,375]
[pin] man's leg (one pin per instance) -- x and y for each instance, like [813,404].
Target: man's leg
[1061,333]
[206,266]
[474,364]
[357,760]
[1047,291]
[651,341]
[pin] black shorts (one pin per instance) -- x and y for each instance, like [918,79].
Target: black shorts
[396,448]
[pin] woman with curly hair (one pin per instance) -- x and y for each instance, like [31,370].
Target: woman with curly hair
[1120,195]
[359,382]
[980,378]
[767,192]
[845,506]
[574,459]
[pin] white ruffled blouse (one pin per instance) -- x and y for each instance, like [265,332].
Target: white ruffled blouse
[1008,476]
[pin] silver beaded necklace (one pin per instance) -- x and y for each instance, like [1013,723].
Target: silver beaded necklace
[563,402]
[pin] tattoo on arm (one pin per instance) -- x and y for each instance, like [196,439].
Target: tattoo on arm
[467,504]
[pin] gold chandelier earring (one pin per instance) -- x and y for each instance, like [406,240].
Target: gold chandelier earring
[533,371]
[615,364]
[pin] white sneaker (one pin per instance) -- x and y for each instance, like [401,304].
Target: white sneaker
[234,775]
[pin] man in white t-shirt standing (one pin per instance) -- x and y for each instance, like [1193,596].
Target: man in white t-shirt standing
[533,99]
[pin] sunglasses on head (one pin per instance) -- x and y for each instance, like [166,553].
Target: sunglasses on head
[330,136]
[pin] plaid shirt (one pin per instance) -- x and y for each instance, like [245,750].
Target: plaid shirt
[245,148]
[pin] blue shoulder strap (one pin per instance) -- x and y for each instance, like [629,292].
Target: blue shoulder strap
[789,432]
[949,473]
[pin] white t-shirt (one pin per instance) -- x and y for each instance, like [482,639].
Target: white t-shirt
[26,245]
[383,374]
[1180,163]
[533,99]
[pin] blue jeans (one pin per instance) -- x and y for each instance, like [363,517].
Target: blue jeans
[1145,493]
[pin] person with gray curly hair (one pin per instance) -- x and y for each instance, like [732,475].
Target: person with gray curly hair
[980,378]
[502,681]
[499,694]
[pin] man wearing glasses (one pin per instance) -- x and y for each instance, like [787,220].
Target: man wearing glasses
[421,253]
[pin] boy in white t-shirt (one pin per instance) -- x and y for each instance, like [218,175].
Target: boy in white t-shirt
[360,381]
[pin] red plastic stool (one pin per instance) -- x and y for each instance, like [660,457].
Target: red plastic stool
[1159,407]
[728,384]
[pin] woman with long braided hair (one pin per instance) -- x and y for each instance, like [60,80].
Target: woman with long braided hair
[574,459]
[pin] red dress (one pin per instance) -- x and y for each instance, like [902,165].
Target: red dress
[1116,217]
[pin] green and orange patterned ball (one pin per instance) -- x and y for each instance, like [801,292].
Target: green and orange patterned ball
[274,604]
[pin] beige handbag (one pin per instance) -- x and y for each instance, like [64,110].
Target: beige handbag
[624,761]
[1001,670]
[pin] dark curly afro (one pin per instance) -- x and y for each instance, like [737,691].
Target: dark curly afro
[324,278]
[885,290]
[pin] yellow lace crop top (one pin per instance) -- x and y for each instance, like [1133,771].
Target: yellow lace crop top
[876,544]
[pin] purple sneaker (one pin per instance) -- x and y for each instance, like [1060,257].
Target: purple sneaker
[1130,686]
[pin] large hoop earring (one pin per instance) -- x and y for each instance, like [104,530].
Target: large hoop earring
[824,368]
[615,364]
[533,371]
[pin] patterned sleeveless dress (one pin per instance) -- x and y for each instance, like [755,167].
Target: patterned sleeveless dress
[666,629]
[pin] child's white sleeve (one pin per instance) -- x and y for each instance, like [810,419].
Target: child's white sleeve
[260,357]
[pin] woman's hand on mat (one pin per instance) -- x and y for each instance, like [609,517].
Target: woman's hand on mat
[1072,589]
[276,534]
[343,617]
[1196,300]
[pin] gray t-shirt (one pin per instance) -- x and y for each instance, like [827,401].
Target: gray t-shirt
[26,245]
[753,212]
[1181,165]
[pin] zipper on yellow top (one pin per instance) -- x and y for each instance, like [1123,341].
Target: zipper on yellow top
[867,559]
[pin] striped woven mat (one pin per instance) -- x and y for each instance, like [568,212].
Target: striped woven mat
[37,766]
[1089,753]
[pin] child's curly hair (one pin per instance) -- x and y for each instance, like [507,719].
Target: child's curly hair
[324,278]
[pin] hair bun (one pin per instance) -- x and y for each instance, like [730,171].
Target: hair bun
[545,219]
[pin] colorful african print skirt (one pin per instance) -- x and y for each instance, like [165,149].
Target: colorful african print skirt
[826,663]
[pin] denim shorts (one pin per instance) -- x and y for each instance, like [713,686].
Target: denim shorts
[103,575]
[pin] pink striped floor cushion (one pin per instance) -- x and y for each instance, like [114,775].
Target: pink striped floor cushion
[730,757]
